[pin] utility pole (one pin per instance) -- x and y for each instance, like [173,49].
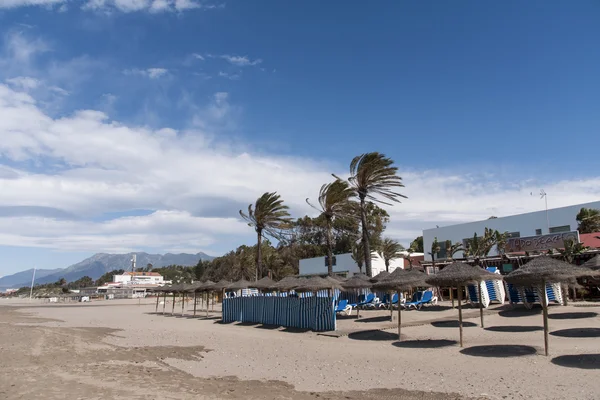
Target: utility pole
[32,281]
[544,196]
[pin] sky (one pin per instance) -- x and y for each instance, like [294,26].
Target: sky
[145,125]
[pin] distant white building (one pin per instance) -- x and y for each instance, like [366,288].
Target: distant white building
[526,226]
[344,264]
[139,278]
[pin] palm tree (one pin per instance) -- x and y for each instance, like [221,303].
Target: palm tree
[435,248]
[373,177]
[269,216]
[358,255]
[334,201]
[452,249]
[589,220]
[390,250]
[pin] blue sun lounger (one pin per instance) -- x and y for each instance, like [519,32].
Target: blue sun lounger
[343,306]
[367,301]
[425,298]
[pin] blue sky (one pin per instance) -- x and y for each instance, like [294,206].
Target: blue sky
[146,125]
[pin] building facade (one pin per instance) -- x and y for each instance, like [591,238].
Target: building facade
[139,278]
[535,224]
[345,265]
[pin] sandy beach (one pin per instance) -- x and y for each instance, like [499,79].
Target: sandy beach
[121,349]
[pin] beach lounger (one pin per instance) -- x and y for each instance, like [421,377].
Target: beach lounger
[365,303]
[387,304]
[344,307]
[427,297]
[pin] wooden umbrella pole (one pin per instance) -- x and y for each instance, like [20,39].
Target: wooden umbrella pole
[173,308]
[157,299]
[195,303]
[480,303]
[164,302]
[213,302]
[545,309]
[452,296]
[460,315]
[183,297]
[391,306]
[399,317]
[207,299]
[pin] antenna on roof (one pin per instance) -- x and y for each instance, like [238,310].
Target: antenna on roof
[544,195]
[133,265]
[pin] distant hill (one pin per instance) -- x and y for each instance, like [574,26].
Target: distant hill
[17,280]
[99,264]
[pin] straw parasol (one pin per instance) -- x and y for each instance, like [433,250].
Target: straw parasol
[241,284]
[380,276]
[287,283]
[542,270]
[362,276]
[593,263]
[401,280]
[356,283]
[315,284]
[459,274]
[264,283]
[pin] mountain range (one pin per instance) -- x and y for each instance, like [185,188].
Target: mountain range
[99,264]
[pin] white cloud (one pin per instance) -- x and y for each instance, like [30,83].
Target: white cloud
[152,73]
[26,3]
[24,82]
[226,75]
[197,184]
[19,48]
[241,61]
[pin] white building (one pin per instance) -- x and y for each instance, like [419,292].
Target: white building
[344,264]
[556,220]
[139,278]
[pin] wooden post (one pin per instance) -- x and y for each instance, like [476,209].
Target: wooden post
[183,297]
[157,298]
[213,301]
[452,296]
[545,308]
[173,309]
[195,294]
[460,315]
[391,294]
[164,302]
[480,303]
[399,317]
[207,298]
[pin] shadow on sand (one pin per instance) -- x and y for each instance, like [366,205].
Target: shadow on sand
[452,324]
[499,351]
[573,315]
[377,336]
[436,308]
[425,344]
[382,318]
[519,312]
[577,333]
[583,361]
[514,328]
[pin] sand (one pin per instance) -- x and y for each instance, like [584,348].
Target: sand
[119,349]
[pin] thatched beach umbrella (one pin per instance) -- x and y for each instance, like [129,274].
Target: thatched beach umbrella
[204,288]
[460,274]
[193,288]
[542,270]
[380,276]
[356,283]
[593,263]
[264,283]
[158,290]
[316,284]
[241,284]
[401,280]
[287,283]
[217,287]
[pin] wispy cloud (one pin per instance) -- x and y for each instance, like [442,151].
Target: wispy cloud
[126,6]
[240,61]
[152,73]
[233,77]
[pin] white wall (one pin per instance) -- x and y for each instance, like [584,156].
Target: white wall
[526,224]
[344,262]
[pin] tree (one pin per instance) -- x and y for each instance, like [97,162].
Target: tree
[269,216]
[571,249]
[358,255]
[390,250]
[452,249]
[334,202]
[373,177]
[588,220]
[478,247]
[417,245]
[435,248]
[108,277]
